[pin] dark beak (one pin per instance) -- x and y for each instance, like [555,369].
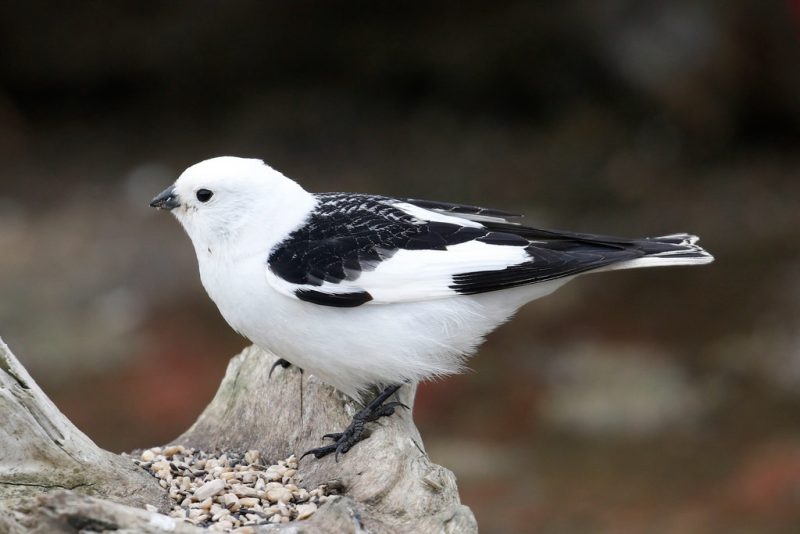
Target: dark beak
[166,200]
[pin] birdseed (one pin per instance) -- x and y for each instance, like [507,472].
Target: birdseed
[228,491]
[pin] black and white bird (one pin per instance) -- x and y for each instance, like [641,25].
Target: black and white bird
[367,290]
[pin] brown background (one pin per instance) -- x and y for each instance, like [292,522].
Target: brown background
[649,401]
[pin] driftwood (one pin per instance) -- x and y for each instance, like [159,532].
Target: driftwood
[53,478]
[41,450]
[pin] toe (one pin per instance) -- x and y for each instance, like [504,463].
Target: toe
[319,452]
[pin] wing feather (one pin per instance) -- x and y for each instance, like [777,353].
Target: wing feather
[465,211]
[361,249]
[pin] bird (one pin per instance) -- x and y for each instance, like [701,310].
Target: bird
[371,292]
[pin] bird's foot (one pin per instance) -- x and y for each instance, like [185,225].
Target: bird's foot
[344,441]
[280,361]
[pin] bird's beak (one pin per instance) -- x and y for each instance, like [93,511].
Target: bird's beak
[166,200]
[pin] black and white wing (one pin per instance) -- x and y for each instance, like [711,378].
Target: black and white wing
[357,249]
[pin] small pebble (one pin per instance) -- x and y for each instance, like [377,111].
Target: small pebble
[279,495]
[273,475]
[249,502]
[304,511]
[231,502]
[230,491]
[209,489]
[172,451]
[219,515]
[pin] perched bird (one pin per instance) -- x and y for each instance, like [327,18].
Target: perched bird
[369,291]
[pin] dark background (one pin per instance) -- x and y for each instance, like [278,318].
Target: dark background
[660,400]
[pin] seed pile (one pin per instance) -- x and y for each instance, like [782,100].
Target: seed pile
[227,491]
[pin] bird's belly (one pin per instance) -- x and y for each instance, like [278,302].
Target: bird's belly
[355,348]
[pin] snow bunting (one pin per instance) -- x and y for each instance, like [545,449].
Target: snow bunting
[370,291]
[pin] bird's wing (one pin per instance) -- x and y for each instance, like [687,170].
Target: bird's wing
[465,211]
[357,249]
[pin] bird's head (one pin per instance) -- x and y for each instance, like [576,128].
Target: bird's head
[218,198]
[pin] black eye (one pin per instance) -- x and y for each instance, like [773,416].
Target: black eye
[204,195]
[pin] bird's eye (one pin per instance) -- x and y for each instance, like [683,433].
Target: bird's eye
[204,195]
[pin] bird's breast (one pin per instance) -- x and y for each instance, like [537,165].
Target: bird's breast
[238,287]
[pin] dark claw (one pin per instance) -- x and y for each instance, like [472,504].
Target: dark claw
[388,409]
[344,441]
[280,361]
[319,452]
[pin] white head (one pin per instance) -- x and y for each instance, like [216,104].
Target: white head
[218,199]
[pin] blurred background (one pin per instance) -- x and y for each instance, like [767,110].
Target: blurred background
[649,401]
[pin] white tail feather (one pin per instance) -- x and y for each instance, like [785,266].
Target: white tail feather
[687,252]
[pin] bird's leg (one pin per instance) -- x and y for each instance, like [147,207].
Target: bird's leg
[344,441]
[280,361]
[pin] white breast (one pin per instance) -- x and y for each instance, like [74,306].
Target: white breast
[355,348]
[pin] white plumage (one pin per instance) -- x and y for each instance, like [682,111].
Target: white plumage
[363,290]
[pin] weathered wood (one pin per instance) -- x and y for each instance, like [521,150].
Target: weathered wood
[387,483]
[68,512]
[387,479]
[42,450]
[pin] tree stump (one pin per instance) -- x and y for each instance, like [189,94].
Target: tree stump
[53,478]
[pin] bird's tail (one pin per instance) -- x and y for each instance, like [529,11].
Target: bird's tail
[674,249]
